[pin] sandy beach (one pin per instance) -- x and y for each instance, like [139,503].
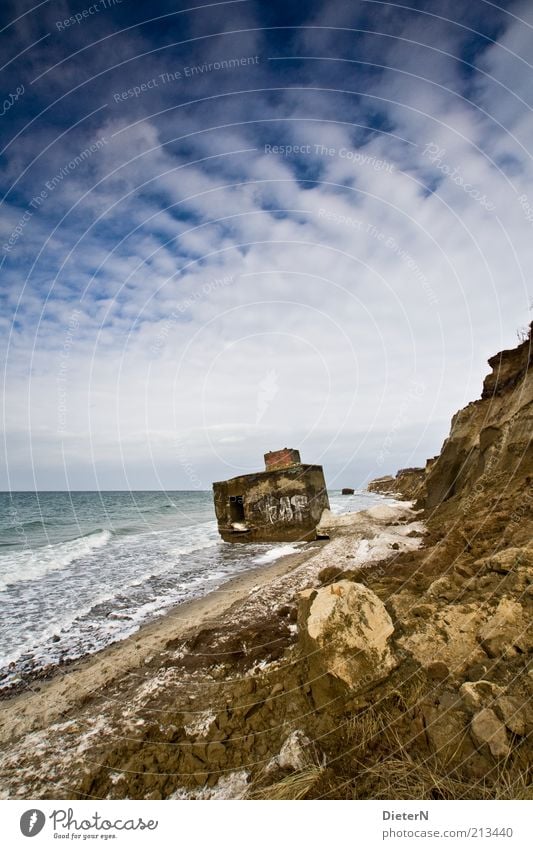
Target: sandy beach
[48,731]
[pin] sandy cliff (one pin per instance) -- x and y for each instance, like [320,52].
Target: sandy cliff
[488,451]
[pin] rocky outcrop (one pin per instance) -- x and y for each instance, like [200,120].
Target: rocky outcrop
[490,439]
[509,370]
[487,730]
[344,632]
[489,442]
[384,485]
[408,483]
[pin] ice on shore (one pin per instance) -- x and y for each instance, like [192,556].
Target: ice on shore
[231,786]
[200,724]
[277,552]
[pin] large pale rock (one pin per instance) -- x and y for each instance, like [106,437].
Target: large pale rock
[344,630]
[506,629]
[487,730]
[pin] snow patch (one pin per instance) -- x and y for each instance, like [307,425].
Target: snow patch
[200,724]
[231,786]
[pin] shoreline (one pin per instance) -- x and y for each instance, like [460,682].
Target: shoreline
[165,685]
[131,652]
[58,609]
[37,679]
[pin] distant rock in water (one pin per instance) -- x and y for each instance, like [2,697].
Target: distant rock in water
[408,483]
[384,485]
[347,491]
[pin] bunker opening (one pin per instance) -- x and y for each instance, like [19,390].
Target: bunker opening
[236,508]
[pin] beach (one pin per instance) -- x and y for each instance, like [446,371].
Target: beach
[80,571]
[182,662]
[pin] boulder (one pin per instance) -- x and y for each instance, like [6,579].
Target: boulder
[445,732]
[448,635]
[476,694]
[296,752]
[344,630]
[488,731]
[504,630]
[443,588]
[516,715]
[508,560]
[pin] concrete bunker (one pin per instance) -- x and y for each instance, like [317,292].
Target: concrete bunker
[284,503]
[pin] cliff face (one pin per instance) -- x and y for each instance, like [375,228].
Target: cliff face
[489,445]
[487,456]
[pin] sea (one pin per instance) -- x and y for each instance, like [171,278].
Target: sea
[81,570]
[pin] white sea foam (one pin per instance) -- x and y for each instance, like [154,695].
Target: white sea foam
[277,552]
[196,545]
[29,566]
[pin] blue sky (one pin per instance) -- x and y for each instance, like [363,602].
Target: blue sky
[230,227]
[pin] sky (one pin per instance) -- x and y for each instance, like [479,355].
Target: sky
[230,227]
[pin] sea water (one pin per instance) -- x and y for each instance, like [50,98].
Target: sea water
[80,570]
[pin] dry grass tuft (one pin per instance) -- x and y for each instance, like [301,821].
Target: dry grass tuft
[297,785]
[402,777]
